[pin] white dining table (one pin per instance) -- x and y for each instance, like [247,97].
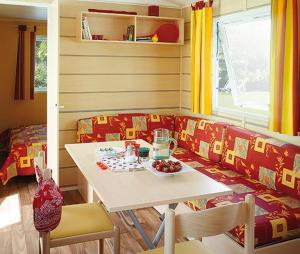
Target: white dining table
[128,191]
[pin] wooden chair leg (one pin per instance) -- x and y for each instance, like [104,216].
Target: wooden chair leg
[117,240]
[46,243]
[40,249]
[101,246]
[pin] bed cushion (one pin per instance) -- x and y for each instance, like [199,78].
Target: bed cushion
[277,214]
[122,127]
[271,162]
[201,136]
[25,144]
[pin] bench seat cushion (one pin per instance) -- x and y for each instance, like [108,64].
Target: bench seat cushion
[122,127]
[200,136]
[192,159]
[277,215]
[271,162]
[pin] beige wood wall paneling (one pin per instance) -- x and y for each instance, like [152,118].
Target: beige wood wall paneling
[118,83]
[186,84]
[65,161]
[68,176]
[118,65]
[130,100]
[186,49]
[109,78]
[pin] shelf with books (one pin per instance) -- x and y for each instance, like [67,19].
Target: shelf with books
[123,28]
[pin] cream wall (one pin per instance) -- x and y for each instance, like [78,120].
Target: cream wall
[107,78]
[15,113]
[220,7]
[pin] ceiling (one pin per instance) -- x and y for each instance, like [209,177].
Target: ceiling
[23,12]
[166,3]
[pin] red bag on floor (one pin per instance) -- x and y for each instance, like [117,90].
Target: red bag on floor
[47,203]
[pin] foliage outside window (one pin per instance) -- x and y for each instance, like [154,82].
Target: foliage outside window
[242,64]
[40,64]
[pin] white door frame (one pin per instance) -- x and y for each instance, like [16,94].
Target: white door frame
[52,77]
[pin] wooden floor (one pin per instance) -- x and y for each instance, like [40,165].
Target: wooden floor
[18,235]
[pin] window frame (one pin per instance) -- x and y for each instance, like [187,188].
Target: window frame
[44,89]
[247,15]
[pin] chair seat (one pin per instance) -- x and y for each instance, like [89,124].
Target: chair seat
[82,219]
[188,247]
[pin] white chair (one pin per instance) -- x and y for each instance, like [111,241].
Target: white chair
[206,223]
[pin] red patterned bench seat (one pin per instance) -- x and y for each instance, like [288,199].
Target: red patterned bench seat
[246,161]
[252,163]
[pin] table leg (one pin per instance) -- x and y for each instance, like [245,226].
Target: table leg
[151,244]
[124,218]
[139,227]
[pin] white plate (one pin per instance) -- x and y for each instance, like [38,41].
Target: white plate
[185,168]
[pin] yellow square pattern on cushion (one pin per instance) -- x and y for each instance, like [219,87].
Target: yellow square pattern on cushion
[155,118]
[183,135]
[25,162]
[288,178]
[130,133]
[202,124]
[218,147]
[279,228]
[230,155]
[102,119]
[267,197]
[260,145]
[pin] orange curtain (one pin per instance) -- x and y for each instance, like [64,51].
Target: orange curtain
[284,89]
[201,60]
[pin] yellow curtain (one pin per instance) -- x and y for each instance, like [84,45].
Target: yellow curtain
[201,60]
[284,89]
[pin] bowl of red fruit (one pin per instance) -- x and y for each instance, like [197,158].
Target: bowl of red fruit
[167,166]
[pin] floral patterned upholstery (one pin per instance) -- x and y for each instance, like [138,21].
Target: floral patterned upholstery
[267,160]
[277,214]
[122,126]
[203,137]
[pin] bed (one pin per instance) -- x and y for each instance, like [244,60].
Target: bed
[24,144]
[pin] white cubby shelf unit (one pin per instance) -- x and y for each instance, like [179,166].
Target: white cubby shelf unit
[114,26]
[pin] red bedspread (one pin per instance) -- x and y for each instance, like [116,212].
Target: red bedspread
[25,143]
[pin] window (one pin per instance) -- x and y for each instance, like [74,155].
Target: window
[242,63]
[40,64]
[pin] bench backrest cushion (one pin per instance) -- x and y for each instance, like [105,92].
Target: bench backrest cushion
[267,160]
[200,136]
[122,127]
